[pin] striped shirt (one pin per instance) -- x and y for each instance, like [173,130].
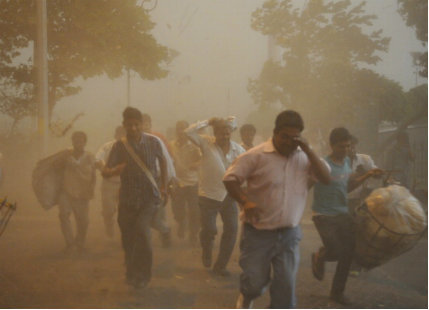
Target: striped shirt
[136,190]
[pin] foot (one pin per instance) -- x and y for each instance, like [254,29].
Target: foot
[243,302]
[317,266]
[207,258]
[221,272]
[340,299]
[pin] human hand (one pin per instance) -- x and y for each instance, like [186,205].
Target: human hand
[117,170]
[251,212]
[376,172]
[302,143]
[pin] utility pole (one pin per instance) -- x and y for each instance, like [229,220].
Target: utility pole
[128,88]
[41,64]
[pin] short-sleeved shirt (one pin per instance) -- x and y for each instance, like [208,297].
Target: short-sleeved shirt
[185,155]
[136,190]
[213,162]
[361,161]
[331,199]
[276,183]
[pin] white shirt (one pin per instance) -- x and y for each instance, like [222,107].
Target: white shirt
[171,172]
[276,183]
[102,155]
[367,164]
[213,162]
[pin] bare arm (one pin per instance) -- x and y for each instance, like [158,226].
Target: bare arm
[251,211]
[319,168]
[356,180]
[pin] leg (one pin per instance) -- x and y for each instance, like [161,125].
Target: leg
[193,213]
[109,201]
[256,250]
[345,255]
[81,213]
[178,204]
[65,209]
[285,266]
[229,215]
[209,209]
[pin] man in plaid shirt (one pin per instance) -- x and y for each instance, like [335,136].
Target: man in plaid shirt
[138,197]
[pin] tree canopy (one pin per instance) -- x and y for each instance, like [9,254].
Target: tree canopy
[324,72]
[85,39]
[415,14]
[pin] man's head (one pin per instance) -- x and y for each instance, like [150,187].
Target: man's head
[119,132]
[79,139]
[353,143]
[288,127]
[132,122]
[247,134]
[147,122]
[340,141]
[180,130]
[222,131]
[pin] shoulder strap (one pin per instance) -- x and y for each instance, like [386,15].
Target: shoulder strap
[139,162]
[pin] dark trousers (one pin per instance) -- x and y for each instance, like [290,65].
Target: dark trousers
[136,240]
[337,234]
[185,208]
[209,210]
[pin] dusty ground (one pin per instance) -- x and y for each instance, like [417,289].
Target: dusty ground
[35,274]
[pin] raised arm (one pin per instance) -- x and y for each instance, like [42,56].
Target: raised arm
[192,132]
[319,168]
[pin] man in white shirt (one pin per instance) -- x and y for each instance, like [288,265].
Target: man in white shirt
[218,153]
[360,164]
[109,186]
[277,173]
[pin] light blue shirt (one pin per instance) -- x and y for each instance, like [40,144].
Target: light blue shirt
[331,199]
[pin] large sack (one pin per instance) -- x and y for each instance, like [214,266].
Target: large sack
[389,223]
[47,178]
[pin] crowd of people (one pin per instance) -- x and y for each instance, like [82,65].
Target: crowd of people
[265,186]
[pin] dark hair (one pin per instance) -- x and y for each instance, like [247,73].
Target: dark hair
[354,140]
[146,118]
[247,128]
[289,118]
[339,134]
[79,134]
[132,113]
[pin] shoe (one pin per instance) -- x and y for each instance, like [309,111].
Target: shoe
[221,272]
[207,258]
[317,267]
[243,302]
[340,299]
[166,240]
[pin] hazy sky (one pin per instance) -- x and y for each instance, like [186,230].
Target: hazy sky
[219,52]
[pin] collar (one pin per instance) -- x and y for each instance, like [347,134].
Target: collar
[270,148]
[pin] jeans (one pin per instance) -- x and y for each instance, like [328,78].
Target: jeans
[135,227]
[209,210]
[185,208]
[80,209]
[266,251]
[337,234]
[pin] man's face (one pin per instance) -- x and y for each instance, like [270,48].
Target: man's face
[180,132]
[79,143]
[133,127]
[284,140]
[247,137]
[341,149]
[352,150]
[222,135]
[147,126]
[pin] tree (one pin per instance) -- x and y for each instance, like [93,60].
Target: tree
[327,50]
[85,39]
[415,14]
